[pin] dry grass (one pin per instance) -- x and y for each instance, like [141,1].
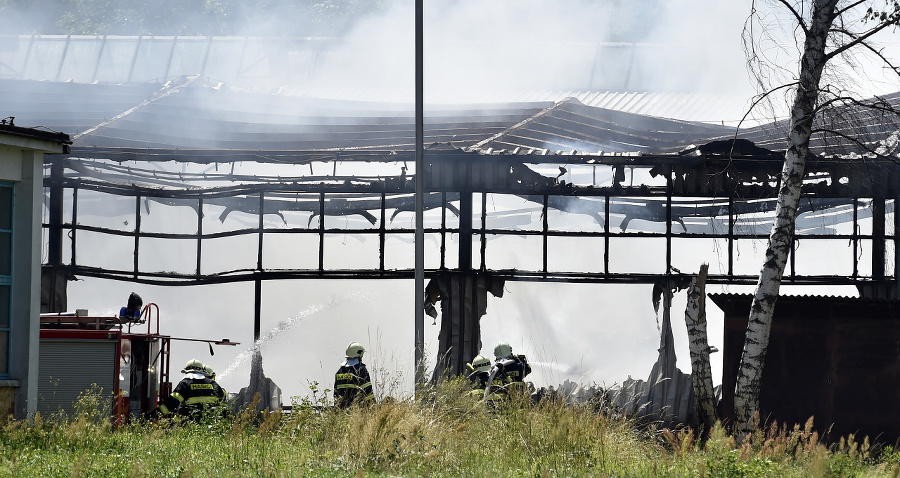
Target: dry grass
[442,433]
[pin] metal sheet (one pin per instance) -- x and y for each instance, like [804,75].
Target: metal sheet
[62,379]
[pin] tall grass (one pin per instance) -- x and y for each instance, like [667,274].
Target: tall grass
[443,432]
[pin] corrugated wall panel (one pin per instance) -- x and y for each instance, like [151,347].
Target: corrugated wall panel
[69,367]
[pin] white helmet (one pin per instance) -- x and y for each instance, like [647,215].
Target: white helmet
[503,350]
[481,364]
[193,365]
[355,350]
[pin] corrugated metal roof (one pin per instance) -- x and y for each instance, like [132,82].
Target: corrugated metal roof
[838,131]
[191,114]
[621,76]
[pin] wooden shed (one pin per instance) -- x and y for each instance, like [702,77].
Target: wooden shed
[836,359]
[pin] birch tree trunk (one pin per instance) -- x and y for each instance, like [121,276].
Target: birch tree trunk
[701,371]
[746,394]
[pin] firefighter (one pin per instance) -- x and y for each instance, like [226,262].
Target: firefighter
[132,311]
[195,394]
[211,375]
[508,373]
[478,375]
[352,382]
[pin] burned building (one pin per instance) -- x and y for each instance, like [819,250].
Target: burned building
[574,181]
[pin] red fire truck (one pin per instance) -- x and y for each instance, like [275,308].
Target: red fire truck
[128,361]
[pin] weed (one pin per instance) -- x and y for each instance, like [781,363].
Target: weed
[444,431]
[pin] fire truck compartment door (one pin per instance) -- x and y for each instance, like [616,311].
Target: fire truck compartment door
[69,367]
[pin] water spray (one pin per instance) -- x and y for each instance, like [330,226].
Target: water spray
[286,324]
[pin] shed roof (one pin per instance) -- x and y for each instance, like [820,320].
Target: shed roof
[8,129]
[741,302]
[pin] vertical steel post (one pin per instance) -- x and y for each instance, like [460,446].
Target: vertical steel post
[855,238]
[74,233]
[171,56]
[137,232]
[62,58]
[209,41]
[27,54]
[730,237]
[483,236]
[199,232]
[669,219]
[381,234]
[55,237]
[443,229]
[606,237]
[420,209]
[137,50]
[465,231]
[545,227]
[257,289]
[99,58]
[878,241]
[321,232]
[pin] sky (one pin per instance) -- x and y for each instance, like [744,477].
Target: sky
[590,333]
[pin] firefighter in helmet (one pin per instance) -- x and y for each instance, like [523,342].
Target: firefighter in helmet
[478,375]
[194,396]
[211,375]
[352,382]
[509,371]
[132,310]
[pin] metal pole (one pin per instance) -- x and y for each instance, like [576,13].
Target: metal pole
[420,188]
[878,242]
[257,283]
[55,236]
[137,232]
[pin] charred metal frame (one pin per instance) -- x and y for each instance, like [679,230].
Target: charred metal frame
[458,175]
[452,175]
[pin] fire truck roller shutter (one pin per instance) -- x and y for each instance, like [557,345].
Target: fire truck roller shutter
[69,367]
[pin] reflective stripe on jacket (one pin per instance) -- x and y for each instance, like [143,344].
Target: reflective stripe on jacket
[351,383]
[192,395]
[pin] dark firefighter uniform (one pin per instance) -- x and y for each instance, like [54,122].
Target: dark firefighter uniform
[352,383]
[506,374]
[194,395]
[479,376]
[479,380]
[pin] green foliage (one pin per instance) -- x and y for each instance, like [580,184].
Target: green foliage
[445,431]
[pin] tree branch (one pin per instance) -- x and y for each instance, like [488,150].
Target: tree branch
[756,102]
[880,55]
[800,22]
[853,139]
[856,40]
[850,7]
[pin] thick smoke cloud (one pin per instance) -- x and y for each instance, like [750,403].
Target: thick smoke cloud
[588,333]
[474,49]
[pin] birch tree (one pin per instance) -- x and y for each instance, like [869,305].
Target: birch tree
[701,371]
[826,32]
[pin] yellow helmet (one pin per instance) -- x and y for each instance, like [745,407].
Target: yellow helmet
[193,365]
[209,372]
[481,364]
[355,350]
[502,350]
